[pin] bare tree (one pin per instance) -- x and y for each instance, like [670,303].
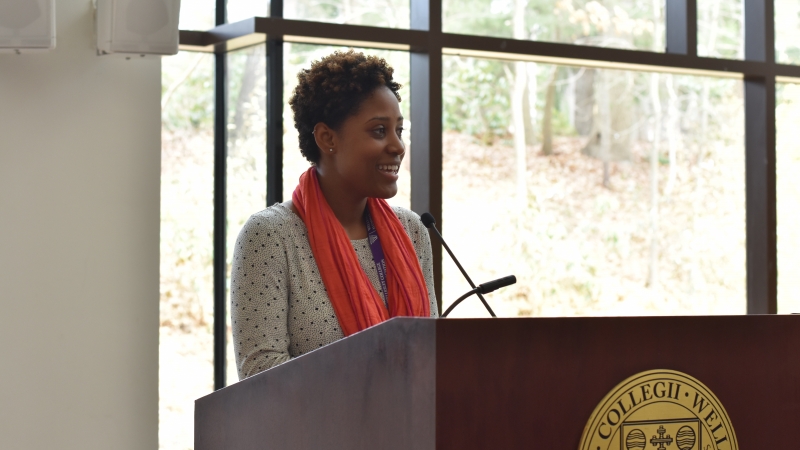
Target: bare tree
[249,78]
[655,152]
[612,120]
[714,8]
[584,102]
[517,107]
[529,105]
[547,117]
[673,133]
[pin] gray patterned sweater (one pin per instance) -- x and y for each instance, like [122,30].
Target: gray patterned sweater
[279,306]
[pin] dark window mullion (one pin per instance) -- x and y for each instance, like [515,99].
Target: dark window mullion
[220,210]
[681,25]
[275,112]
[759,104]
[426,119]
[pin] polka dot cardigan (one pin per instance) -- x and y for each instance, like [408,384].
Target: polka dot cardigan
[279,306]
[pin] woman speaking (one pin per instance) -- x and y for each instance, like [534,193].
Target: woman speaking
[336,259]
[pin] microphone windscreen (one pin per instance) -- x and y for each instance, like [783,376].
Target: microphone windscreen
[493,285]
[427,220]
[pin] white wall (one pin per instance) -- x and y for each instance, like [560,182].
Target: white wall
[79,245]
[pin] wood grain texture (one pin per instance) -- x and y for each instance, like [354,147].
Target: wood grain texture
[533,383]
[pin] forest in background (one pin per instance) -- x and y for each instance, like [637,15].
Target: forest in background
[606,192]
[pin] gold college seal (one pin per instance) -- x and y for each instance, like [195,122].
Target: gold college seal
[660,410]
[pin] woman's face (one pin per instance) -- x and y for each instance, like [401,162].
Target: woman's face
[369,148]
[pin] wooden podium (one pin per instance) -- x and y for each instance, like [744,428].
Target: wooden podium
[504,383]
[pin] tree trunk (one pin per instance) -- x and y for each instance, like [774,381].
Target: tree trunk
[547,119]
[249,76]
[713,21]
[585,102]
[601,136]
[520,149]
[603,125]
[528,114]
[673,134]
[532,93]
[711,45]
[655,151]
[517,108]
[569,97]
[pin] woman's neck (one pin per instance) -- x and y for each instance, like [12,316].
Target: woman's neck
[349,210]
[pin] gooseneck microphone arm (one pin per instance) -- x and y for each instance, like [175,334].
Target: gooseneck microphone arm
[484,288]
[430,222]
[459,300]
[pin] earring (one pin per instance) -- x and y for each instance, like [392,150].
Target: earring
[330,150]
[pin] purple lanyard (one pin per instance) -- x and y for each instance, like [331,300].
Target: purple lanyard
[377,254]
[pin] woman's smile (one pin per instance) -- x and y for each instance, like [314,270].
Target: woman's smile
[389,168]
[389,171]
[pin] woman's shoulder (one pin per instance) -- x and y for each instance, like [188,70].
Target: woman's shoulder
[404,213]
[408,218]
[275,218]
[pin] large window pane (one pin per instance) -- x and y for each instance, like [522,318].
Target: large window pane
[788,190]
[605,192]
[300,56]
[633,24]
[186,338]
[380,13]
[787,31]
[247,155]
[197,14]
[383,13]
[244,9]
[720,29]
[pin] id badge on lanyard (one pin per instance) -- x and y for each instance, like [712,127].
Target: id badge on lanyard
[377,254]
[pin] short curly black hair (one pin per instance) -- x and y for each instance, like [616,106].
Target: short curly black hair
[332,90]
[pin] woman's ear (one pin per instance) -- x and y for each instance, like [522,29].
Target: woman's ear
[325,138]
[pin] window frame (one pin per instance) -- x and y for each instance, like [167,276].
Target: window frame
[426,44]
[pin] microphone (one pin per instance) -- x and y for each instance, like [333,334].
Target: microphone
[430,222]
[494,285]
[484,288]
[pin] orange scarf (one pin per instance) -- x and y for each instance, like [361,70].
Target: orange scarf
[356,302]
